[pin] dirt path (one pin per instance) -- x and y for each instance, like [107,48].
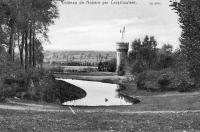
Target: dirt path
[48,108]
[22,106]
[38,108]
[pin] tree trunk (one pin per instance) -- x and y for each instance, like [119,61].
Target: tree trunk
[30,47]
[21,50]
[34,61]
[10,50]
[26,50]
[13,52]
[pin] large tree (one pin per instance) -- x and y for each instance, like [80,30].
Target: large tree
[24,22]
[143,54]
[189,20]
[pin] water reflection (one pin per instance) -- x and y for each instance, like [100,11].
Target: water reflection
[99,94]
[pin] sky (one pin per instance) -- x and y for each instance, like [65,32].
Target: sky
[97,27]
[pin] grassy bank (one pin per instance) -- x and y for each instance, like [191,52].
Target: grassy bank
[69,92]
[166,100]
[99,121]
[114,118]
[39,86]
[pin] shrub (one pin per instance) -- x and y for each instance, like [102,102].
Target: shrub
[164,80]
[27,85]
[185,83]
[9,72]
[47,89]
[186,86]
[38,85]
[147,80]
[8,91]
[140,80]
[163,61]
[135,67]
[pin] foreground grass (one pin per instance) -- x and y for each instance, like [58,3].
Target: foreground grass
[23,121]
[115,118]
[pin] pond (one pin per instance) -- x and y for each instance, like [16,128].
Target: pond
[98,94]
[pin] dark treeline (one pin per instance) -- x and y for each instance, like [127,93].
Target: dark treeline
[164,69]
[189,19]
[24,24]
[74,63]
[107,66]
[145,55]
[23,28]
[158,69]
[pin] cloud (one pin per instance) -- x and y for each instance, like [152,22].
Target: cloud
[98,26]
[105,33]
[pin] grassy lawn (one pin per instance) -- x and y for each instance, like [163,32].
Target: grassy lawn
[164,100]
[22,121]
[113,118]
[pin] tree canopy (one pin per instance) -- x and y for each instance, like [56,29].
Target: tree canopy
[189,20]
[24,23]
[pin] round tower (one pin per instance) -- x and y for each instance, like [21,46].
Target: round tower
[122,52]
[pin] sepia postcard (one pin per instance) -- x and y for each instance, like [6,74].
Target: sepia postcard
[99,65]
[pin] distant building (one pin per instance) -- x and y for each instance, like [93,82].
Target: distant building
[122,53]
